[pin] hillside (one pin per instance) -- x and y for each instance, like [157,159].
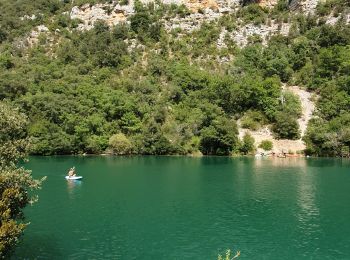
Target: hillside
[179,76]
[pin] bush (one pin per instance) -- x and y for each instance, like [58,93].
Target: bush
[267,145]
[248,146]
[286,126]
[124,2]
[291,104]
[120,144]
[282,6]
[253,120]
[325,7]
[253,13]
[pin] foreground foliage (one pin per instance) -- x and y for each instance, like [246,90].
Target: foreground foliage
[15,182]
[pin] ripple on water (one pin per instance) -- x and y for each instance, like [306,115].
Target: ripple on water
[173,208]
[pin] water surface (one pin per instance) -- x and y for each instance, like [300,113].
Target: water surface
[189,208]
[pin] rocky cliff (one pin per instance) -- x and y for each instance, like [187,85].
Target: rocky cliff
[201,10]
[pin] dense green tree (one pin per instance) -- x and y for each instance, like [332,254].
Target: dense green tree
[219,138]
[165,90]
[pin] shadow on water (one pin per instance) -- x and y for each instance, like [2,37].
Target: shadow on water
[42,244]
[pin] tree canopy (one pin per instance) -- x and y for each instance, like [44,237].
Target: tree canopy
[167,91]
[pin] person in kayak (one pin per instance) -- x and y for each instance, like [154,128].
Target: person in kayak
[71,172]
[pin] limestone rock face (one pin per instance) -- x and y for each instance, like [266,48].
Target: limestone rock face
[196,5]
[268,3]
[201,11]
[308,6]
[242,35]
[112,14]
[33,37]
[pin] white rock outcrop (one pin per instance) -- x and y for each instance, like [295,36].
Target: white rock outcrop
[33,36]
[112,14]
[308,6]
[241,36]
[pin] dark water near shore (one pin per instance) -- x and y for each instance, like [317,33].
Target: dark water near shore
[189,208]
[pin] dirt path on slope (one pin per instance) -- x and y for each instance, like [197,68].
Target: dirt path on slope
[284,145]
[307,105]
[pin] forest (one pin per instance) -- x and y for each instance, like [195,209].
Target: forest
[93,92]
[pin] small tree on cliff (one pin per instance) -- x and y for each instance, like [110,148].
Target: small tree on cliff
[15,182]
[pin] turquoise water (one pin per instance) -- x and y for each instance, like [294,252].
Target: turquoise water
[189,208]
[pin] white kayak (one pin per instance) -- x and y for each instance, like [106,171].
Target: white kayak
[74,177]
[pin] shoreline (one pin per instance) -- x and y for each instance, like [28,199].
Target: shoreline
[176,155]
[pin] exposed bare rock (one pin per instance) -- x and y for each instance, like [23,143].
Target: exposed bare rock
[192,21]
[27,17]
[221,41]
[268,3]
[305,6]
[33,36]
[331,20]
[242,35]
[308,6]
[112,14]
[201,11]
[196,5]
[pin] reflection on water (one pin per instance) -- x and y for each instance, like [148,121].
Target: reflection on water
[280,162]
[73,186]
[307,211]
[308,214]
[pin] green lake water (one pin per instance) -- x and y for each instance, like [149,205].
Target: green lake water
[189,208]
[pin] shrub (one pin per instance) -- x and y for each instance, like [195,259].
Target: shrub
[291,104]
[324,8]
[253,120]
[120,144]
[253,13]
[248,144]
[286,126]
[266,145]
